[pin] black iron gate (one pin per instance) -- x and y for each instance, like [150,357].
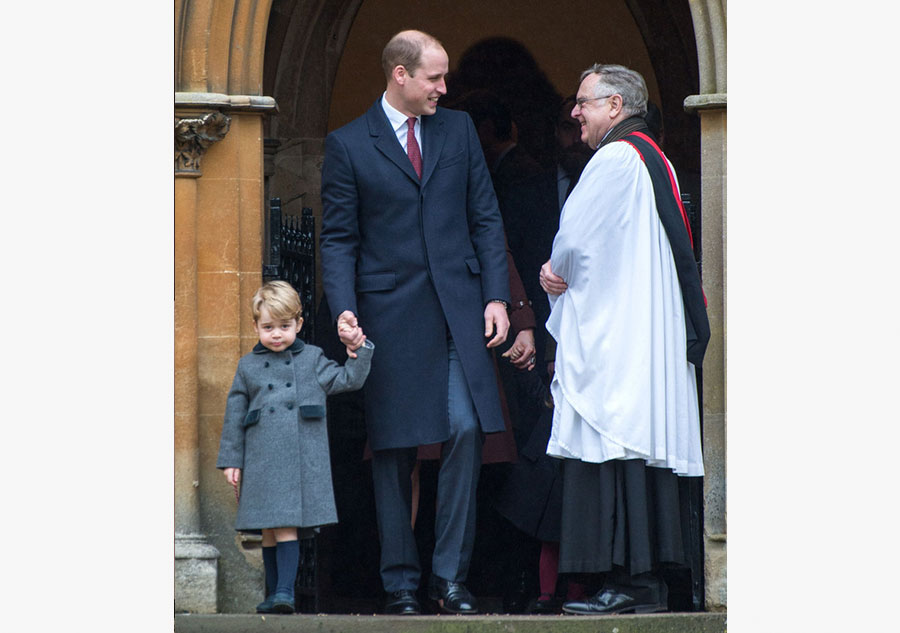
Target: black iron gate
[292,258]
[693,486]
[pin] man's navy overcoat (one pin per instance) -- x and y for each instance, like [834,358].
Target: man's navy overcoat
[412,258]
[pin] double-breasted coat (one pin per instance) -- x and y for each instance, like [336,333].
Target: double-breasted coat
[414,258]
[275,432]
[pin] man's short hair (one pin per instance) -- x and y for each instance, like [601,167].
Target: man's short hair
[280,299]
[405,49]
[615,79]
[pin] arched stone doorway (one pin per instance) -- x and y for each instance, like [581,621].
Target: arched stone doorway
[239,59]
[318,88]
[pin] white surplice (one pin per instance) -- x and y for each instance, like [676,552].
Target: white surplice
[623,387]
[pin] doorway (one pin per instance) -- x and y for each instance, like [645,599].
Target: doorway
[322,65]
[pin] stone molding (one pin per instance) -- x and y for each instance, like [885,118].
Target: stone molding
[193,135]
[218,101]
[194,546]
[716,101]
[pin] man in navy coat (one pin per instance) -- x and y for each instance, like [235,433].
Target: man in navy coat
[413,250]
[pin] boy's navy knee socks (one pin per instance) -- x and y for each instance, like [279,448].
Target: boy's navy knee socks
[287,554]
[270,565]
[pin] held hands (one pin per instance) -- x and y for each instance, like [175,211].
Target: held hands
[496,322]
[350,333]
[551,283]
[521,354]
[233,476]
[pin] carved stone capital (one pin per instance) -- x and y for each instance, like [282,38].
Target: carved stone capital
[193,136]
[718,101]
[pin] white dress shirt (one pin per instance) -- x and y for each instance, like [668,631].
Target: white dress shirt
[398,121]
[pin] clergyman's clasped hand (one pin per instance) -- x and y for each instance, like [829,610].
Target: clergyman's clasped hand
[551,283]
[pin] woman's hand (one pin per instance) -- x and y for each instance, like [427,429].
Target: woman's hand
[521,354]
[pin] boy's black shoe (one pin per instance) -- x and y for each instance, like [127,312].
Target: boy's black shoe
[282,603]
[265,606]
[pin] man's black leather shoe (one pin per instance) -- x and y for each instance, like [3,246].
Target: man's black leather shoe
[608,601]
[401,602]
[453,597]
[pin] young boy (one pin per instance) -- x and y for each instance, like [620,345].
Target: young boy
[274,445]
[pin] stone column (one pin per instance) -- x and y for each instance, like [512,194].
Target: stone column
[219,264]
[195,559]
[712,111]
[709,17]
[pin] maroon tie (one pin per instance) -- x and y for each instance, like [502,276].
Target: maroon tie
[412,146]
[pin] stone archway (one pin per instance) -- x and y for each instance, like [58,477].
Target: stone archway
[234,59]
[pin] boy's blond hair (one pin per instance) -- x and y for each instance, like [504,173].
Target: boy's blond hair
[280,298]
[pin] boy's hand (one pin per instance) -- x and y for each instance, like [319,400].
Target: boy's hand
[350,333]
[351,350]
[233,476]
[358,336]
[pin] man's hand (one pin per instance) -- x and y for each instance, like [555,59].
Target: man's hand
[350,333]
[496,322]
[233,476]
[551,283]
[521,354]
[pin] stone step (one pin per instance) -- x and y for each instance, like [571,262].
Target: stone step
[655,623]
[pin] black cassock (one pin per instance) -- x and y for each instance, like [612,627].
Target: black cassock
[623,513]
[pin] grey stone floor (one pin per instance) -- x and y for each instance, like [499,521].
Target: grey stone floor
[659,623]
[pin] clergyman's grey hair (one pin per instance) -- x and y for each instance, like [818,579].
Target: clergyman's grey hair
[615,79]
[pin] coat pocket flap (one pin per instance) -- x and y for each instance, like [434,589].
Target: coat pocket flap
[376,281]
[312,411]
[251,418]
[451,160]
[474,266]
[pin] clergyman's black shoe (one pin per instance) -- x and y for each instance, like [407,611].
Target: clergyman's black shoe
[608,601]
[453,597]
[401,602]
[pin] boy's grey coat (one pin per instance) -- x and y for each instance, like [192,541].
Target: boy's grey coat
[275,432]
